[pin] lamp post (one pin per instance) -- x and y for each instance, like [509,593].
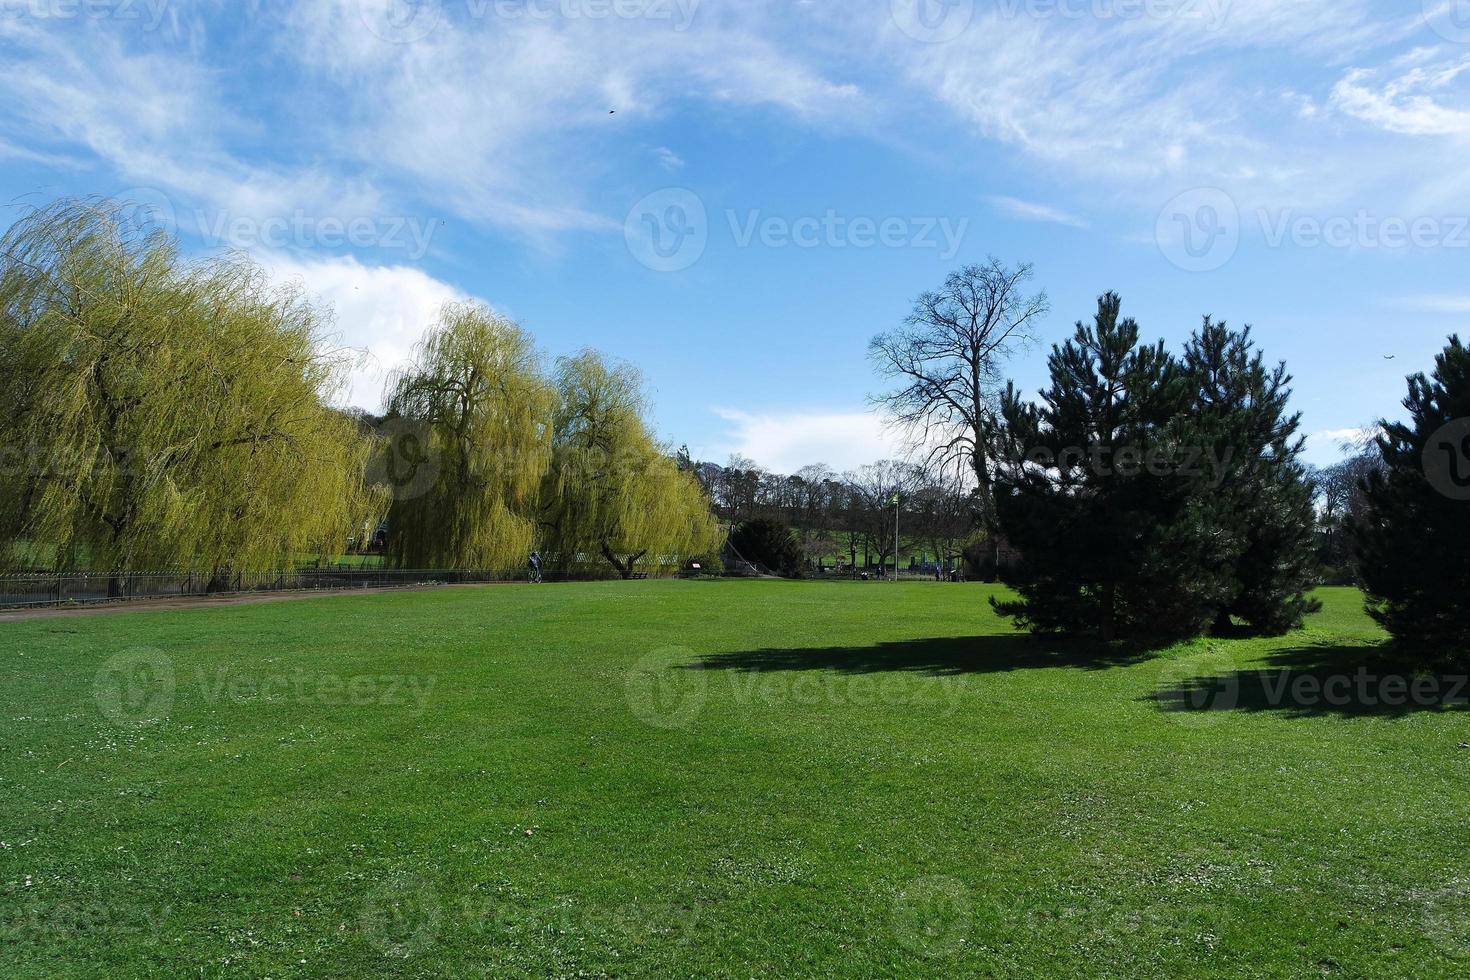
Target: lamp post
[895,537]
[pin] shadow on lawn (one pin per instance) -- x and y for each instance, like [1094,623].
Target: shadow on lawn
[1316,681]
[936,656]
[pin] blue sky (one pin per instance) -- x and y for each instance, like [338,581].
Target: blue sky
[736,196]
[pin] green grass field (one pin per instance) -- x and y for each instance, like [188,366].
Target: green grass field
[731,779]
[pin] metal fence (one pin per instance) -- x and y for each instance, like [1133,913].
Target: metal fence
[51,589]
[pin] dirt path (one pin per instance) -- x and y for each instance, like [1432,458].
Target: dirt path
[208,602]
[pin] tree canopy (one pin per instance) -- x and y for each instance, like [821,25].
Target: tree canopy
[1414,539]
[612,491]
[164,412]
[466,440]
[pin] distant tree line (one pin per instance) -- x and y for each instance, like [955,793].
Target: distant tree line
[161,412]
[846,519]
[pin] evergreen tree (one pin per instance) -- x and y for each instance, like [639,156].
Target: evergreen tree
[1099,495]
[1262,509]
[1414,541]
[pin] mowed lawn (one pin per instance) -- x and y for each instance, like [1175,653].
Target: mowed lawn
[733,779]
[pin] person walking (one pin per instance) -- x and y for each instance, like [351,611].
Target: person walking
[534,563]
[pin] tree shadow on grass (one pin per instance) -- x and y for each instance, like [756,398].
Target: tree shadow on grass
[938,656]
[1324,680]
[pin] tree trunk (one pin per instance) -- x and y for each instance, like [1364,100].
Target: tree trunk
[1108,627]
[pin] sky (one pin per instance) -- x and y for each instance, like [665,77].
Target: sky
[736,195]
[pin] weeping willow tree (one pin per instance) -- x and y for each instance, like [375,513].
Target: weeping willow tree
[475,411]
[611,491]
[159,412]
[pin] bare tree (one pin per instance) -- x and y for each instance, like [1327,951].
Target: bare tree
[948,360]
[878,489]
[943,516]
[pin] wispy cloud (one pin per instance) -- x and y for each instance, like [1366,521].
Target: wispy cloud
[1435,304]
[1031,211]
[1421,100]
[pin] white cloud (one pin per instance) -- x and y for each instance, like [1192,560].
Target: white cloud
[668,159]
[784,442]
[1416,102]
[1032,211]
[1436,304]
[1330,443]
[380,310]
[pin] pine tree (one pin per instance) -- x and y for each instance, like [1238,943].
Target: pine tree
[1098,495]
[1414,542]
[1261,507]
